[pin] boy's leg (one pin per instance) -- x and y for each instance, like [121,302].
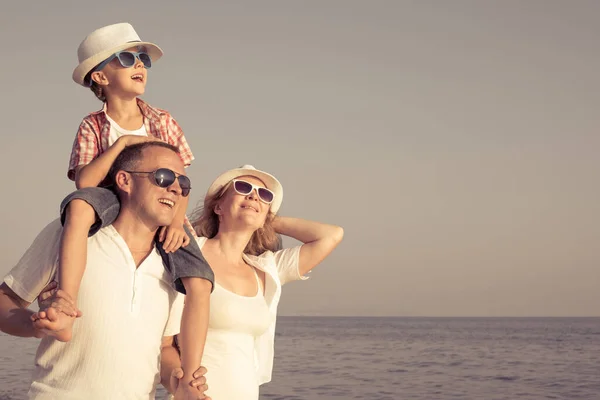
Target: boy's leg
[194,328]
[186,262]
[104,202]
[83,213]
[193,277]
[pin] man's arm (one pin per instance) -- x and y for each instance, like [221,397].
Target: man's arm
[171,372]
[169,361]
[15,318]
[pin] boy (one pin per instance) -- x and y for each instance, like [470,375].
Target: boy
[113,62]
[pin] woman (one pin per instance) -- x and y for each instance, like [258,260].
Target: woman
[237,229]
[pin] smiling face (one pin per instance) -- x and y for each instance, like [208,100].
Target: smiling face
[153,205]
[124,82]
[243,210]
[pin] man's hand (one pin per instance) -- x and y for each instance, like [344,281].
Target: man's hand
[173,237]
[197,387]
[59,300]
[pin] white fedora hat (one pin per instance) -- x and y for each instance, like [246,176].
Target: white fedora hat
[104,42]
[248,170]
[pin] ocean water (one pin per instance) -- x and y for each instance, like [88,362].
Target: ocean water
[321,358]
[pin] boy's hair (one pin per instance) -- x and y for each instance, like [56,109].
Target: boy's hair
[129,158]
[98,92]
[94,87]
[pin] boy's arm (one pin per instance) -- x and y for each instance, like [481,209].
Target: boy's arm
[92,174]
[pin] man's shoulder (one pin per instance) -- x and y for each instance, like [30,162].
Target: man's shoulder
[38,265]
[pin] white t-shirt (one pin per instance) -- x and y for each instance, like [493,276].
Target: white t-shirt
[116,131]
[115,349]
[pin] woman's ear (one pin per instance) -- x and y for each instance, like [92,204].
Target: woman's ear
[218,210]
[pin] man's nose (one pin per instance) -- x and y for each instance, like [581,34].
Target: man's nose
[175,188]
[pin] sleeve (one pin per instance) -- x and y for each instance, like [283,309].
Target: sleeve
[174,321]
[287,262]
[176,138]
[38,265]
[85,147]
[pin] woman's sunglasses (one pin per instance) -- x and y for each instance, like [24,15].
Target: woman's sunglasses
[245,188]
[164,177]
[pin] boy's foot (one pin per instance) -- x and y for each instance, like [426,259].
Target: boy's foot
[54,323]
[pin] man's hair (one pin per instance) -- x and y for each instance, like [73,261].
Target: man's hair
[129,158]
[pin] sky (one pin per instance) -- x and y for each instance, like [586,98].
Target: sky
[454,141]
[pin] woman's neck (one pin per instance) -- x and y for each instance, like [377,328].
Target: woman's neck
[231,244]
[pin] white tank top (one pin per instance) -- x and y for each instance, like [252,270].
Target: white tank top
[235,322]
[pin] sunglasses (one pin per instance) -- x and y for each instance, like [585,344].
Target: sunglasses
[245,188]
[126,59]
[164,177]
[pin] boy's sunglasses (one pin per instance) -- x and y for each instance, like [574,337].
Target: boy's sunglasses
[126,59]
[245,188]
[164,177]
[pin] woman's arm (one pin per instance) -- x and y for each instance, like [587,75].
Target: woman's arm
[319,239]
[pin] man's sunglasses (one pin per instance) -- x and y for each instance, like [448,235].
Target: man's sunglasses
[245,188]
[164,177]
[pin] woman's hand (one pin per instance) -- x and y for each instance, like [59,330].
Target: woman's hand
[197,386]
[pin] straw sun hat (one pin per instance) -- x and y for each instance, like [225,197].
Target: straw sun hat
[248,170]
[106,41]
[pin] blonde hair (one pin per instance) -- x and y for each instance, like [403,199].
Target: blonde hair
[206,223]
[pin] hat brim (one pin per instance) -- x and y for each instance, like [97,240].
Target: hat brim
[88,64]
[270,182]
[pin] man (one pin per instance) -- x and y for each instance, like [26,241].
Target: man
[130,309]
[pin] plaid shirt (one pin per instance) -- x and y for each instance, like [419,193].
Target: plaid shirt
[93,133]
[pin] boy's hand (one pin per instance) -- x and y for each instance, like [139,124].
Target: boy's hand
[128,140]
[173,237]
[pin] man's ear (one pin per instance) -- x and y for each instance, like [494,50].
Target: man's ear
[123,181]
[100,78]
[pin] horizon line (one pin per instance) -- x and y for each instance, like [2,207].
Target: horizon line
[437,316]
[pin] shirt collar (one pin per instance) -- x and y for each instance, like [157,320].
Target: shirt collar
[147,110]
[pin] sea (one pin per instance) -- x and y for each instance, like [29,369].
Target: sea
[373,358]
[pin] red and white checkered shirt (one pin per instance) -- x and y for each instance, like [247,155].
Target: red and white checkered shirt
[92,136]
